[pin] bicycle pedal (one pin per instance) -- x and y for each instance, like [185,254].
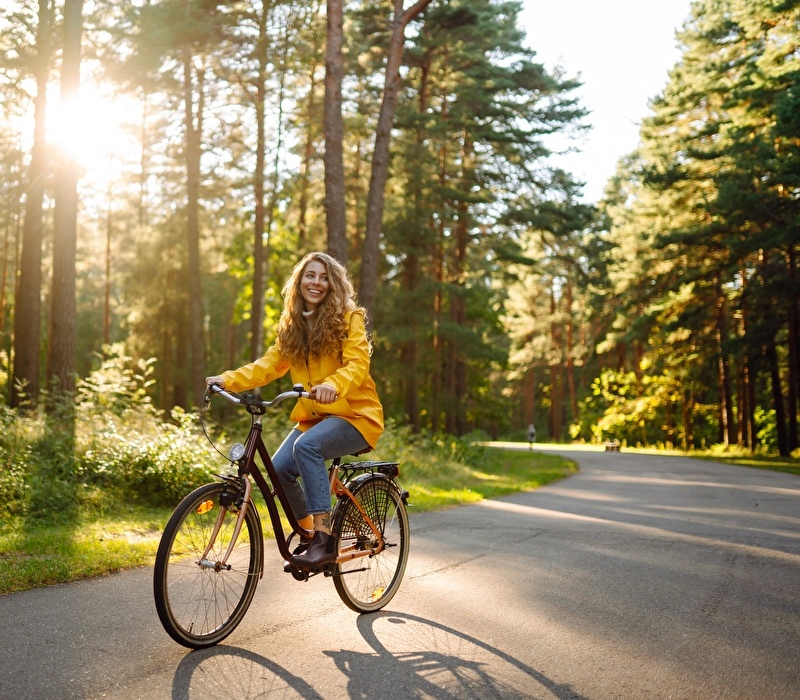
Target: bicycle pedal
[297,574]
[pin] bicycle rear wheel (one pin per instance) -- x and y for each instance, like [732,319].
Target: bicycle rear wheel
[368,583]
[199,602]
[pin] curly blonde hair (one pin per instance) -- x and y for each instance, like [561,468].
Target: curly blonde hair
[300,337]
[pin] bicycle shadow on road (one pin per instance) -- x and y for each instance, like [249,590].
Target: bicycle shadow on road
[413,657]
[231,672]
[416,657]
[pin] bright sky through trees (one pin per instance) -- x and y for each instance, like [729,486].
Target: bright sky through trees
[622,50]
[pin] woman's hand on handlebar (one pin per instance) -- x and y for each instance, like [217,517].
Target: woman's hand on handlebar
[219,381]
[323,393]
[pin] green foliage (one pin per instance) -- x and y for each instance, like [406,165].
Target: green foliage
[766,426]
[157,466]
[122,451]
[118,385]
[641,411]
[126,448]
[16,459]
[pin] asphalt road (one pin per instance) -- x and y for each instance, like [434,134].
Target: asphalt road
[639,577]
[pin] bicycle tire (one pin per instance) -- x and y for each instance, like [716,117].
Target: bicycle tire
[200,606]
[366,584]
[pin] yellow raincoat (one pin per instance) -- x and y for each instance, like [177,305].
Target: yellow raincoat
[357,400]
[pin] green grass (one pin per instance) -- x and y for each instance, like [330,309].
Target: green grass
[503,472]
[730,455]
[787,465]
[734,456]
[56,550]
[36,552]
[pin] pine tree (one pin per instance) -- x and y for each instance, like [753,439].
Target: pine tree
[62,358]
[27,302]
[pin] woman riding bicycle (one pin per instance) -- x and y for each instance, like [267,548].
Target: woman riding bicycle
[322,341]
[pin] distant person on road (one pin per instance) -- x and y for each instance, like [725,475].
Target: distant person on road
[322,341]
[531,435]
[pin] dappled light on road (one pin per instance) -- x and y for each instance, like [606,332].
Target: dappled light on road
[662,523]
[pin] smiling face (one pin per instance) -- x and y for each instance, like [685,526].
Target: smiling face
[314,284]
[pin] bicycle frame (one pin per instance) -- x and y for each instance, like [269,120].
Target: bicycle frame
[272,490]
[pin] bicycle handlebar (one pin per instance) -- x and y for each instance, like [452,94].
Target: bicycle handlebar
[296,392]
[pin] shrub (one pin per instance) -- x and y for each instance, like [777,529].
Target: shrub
[122,448]
[157,466]
[15,463]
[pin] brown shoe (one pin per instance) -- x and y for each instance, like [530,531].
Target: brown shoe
[319,553]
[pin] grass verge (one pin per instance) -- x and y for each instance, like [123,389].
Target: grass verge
[775,463]
[731,455]
[36,552]
[59,549]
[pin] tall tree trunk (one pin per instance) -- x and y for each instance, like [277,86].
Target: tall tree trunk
[264,219]
[748,437]
[409,348]
[411,274]
[28,301]
[770,354]
[688,419]
[194,130]
[455,377]
[741,393]
[4,276]
[305,165]
[257,302]
[777,398]
[182,354]
[458,304]
[107,282]
[752,373]
[529,397]
[749,373]
[370,255]
[144,165]
[450,420]
[794,352]
[335,217]
[437,380]
[272,203]
[164,367]
[570,364]
[727,422]
[12,242]
[556,391]
[63,313]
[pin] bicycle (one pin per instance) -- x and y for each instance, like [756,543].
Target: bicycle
[211,554]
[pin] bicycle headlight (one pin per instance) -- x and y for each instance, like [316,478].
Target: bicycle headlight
[236,452]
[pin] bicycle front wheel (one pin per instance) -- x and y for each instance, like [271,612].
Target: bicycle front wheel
[199,601]
[367,583]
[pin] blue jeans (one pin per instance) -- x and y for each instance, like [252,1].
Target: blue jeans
[303,455]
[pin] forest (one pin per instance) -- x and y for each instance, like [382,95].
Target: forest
[164,163]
